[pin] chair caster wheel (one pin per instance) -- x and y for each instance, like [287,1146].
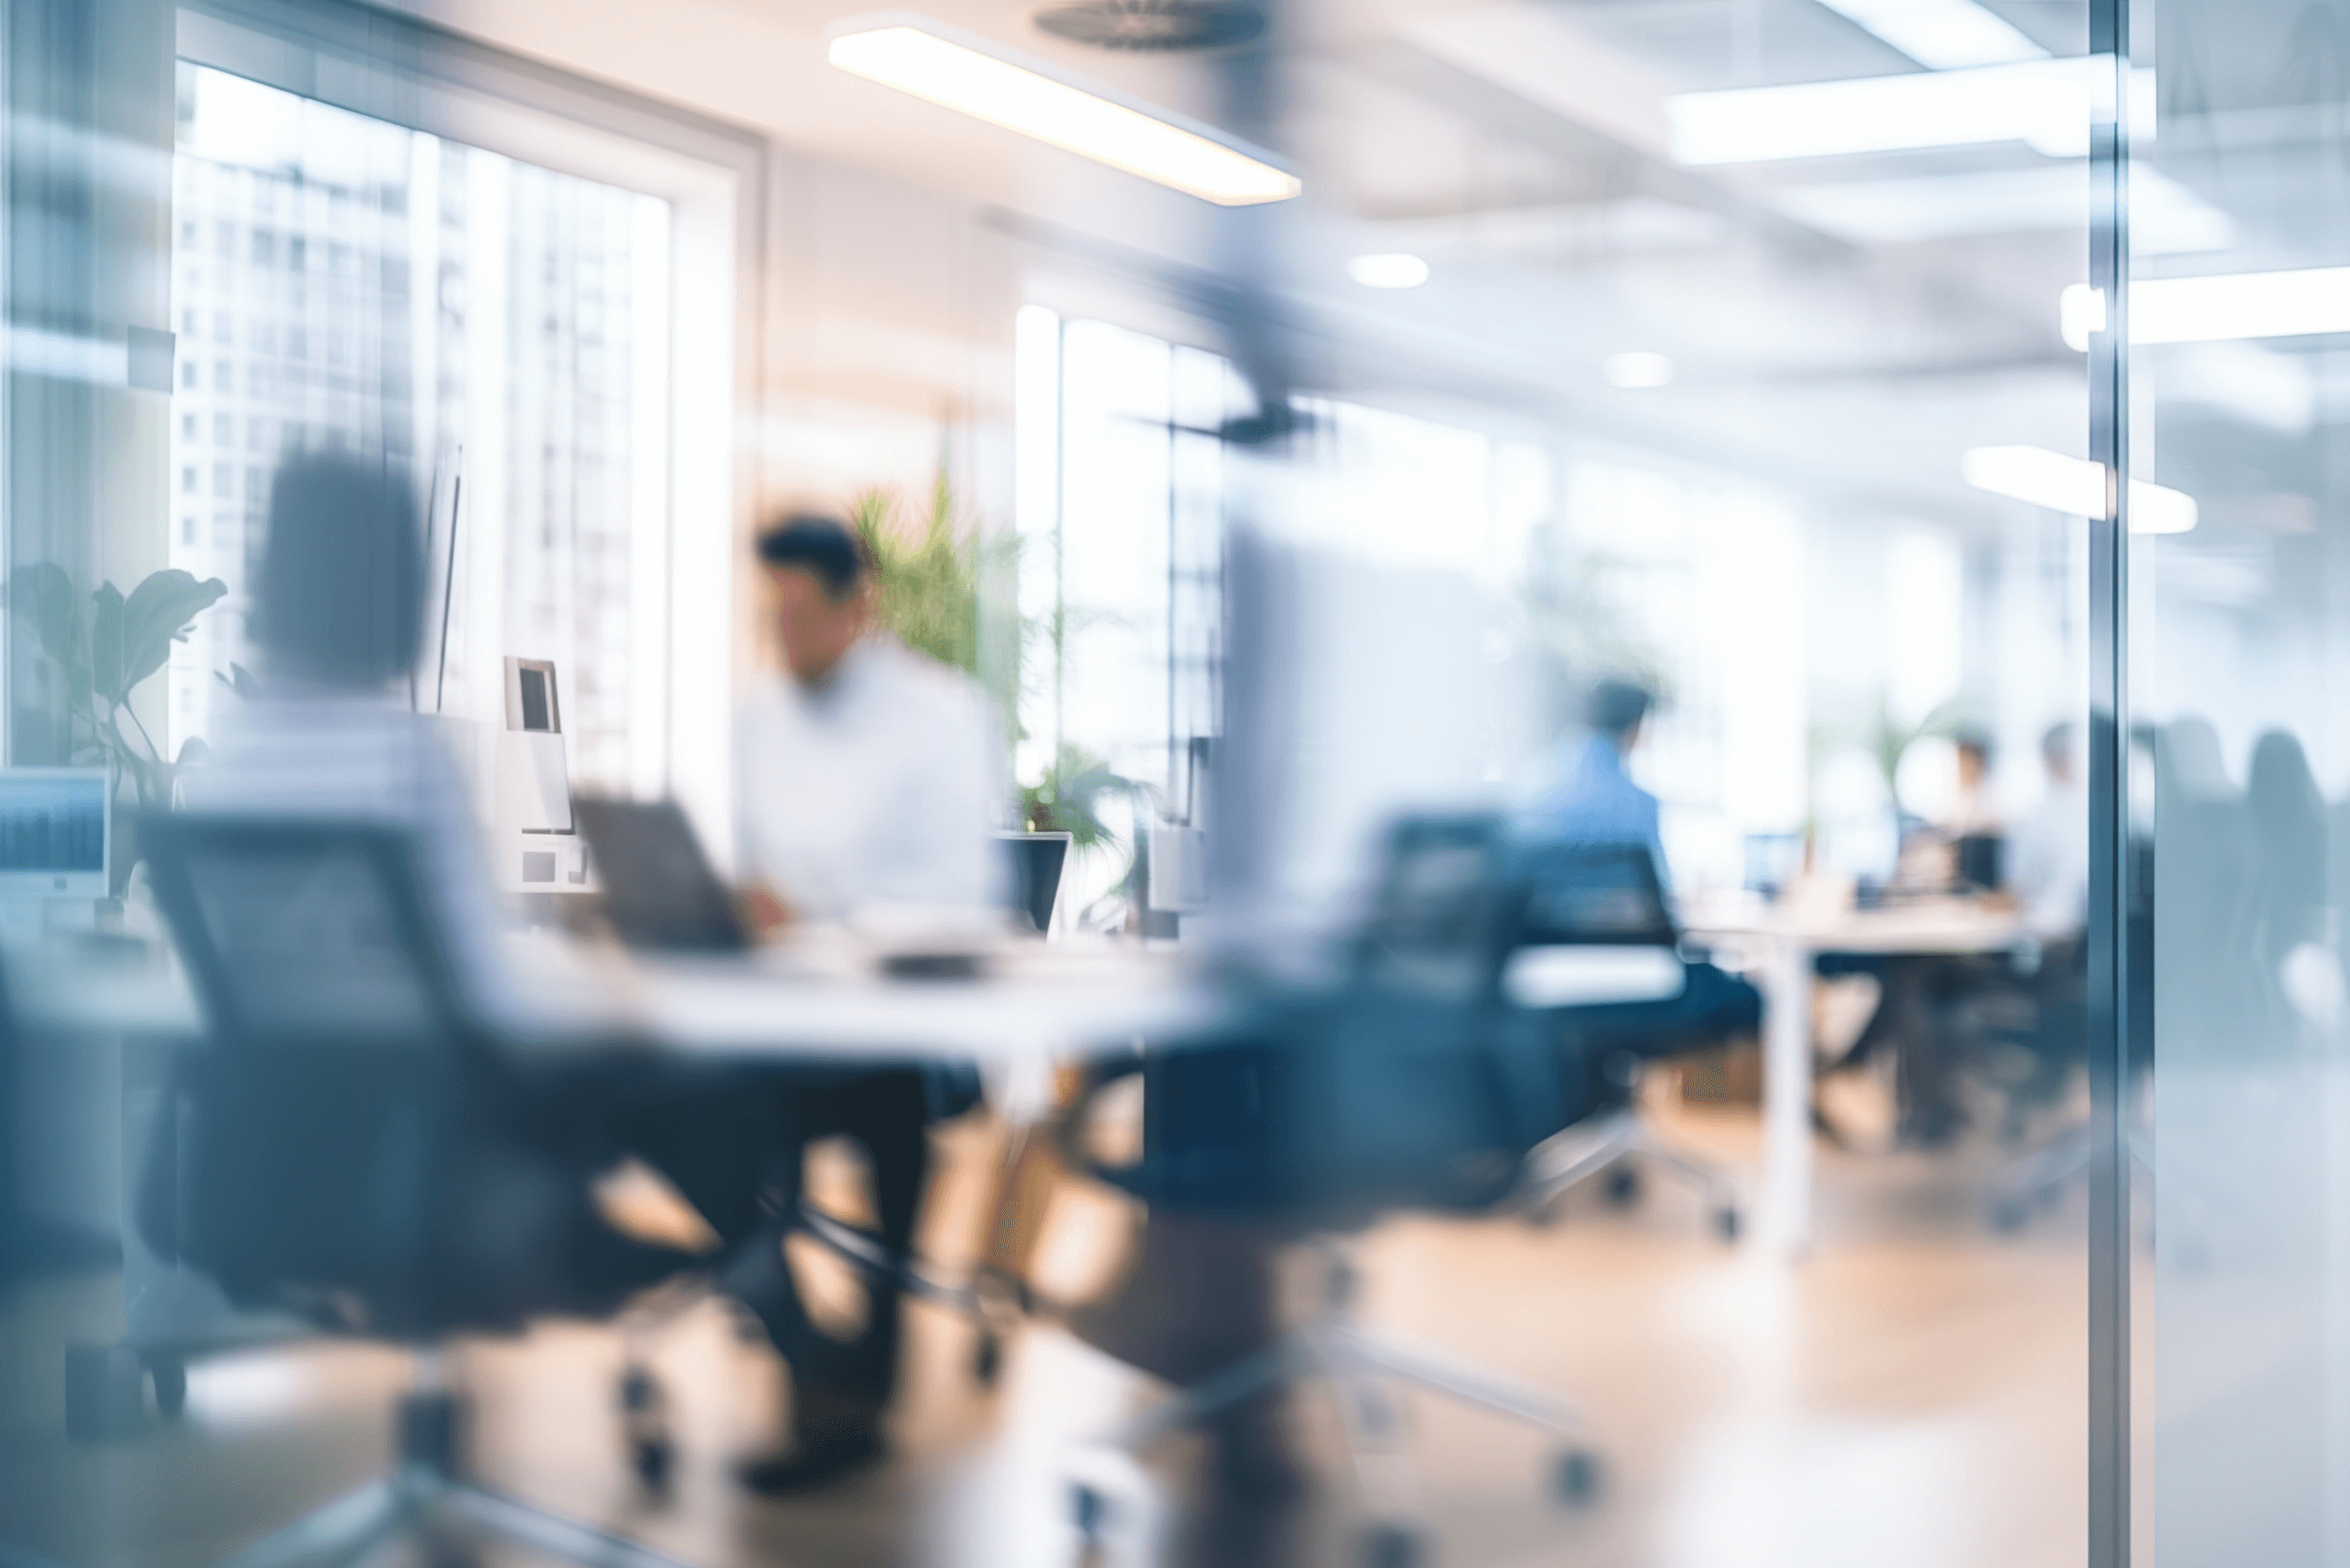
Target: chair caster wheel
[654,1460]
[1726,1223]
[168,1376]
[1622,1188]
[1574,1478]
[1089,1510]
[987,1361]
[1394,1546]
[652,1451]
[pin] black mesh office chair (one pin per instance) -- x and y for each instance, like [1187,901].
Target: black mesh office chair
[1582,902]
[352,1145]
[1415,1086]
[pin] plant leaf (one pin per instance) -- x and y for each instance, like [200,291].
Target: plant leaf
[105,642]
[157,613]
[42,596]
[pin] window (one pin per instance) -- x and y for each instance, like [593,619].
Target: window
[1698,580]
[527,395]
[1120,506]
[1120,496]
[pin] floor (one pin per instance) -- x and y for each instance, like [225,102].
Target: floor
[1911,1394]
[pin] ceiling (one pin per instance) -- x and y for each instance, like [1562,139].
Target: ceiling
[1848,325]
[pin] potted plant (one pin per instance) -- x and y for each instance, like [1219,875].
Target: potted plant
[102,647]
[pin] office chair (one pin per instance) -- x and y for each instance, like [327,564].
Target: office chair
[1422,1083]
[1313,1118]
[354,1146]
[1579,900]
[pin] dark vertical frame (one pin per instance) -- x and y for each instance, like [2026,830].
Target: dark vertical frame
[2109,780]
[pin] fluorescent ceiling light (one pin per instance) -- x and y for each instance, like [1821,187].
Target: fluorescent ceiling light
[1638,371]
[2225,307]
[1394,270]
[2165,219]
[975,76]
[1941,35]
[2074,485]
[2043,102]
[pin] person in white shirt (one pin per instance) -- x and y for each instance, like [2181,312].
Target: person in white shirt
[866,774]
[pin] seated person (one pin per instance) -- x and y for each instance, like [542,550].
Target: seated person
[866,775]
[1585,796]
[337,618]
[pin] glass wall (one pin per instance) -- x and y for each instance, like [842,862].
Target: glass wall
[2239,709]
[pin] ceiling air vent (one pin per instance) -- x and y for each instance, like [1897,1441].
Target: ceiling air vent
[1159,26]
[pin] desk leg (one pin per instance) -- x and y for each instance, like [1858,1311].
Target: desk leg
[1783,1216]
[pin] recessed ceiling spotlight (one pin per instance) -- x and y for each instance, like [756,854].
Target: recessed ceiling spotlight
[1394,269]
[1638,371]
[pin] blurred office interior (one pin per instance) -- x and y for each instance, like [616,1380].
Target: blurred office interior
[1666,789]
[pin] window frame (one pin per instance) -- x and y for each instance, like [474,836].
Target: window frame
[714,177]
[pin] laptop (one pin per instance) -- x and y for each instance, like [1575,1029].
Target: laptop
[660,889]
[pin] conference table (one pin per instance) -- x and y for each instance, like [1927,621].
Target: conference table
[1786,939]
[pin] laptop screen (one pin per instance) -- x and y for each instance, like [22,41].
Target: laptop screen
[52,824]
[659,890]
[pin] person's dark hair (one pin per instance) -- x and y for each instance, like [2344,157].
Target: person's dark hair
[824,547]
[1976,741]
[1615,708]
[340,597]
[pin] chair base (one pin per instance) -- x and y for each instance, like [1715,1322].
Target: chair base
[424,1500]
[1603,1146]
[1366,1370]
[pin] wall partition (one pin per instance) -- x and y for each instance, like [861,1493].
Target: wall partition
[2231,799]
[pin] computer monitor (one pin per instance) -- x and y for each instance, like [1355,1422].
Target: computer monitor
[54,840]
[1036,862]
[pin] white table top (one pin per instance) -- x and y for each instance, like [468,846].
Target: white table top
[820,999]
[1948,925]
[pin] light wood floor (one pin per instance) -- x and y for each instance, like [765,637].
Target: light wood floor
[1911,1394]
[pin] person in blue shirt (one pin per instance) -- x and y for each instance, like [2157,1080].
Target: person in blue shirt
[1584,795]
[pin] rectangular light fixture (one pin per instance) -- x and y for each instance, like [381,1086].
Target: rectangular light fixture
[2046,103]
[1941,35]
[2224,308]
[976,76]
[2074,485]
[2165,219]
